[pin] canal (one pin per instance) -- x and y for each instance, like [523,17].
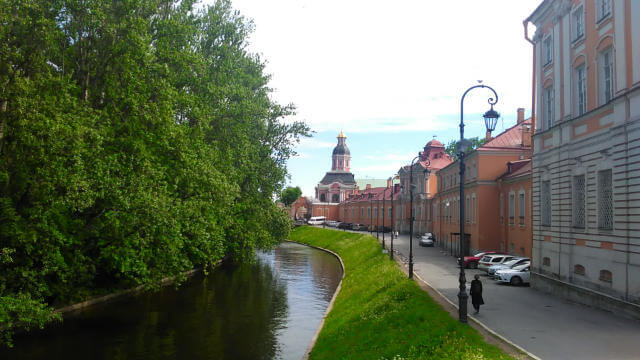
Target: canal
[269,309]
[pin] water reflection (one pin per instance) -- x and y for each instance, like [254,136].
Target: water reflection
[266,310]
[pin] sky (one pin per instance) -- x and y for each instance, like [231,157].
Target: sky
[389,74]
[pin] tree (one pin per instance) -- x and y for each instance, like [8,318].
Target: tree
[290,194]
[452,146]
[138,140]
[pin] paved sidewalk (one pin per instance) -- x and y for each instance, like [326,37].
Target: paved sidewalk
[544,325]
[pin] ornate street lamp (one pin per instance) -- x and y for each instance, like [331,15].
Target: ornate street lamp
[490,120]
[393,191]
[411,218]
[384,209]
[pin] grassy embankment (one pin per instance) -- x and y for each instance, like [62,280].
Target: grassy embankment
[380,314]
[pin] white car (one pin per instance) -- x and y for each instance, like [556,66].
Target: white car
[493,259]
[517,276]
[491,271]
[426,240]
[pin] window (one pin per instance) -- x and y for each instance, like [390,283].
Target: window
[578,269]
[467,211]
[605,275]
[512,207]
[361,212]
[375,212]
[322,198]
[501,208]
[475,171]
[603,9]
[335,198]
[547,50]
[606,76]
[369,212]
[578,23]
[548,106]
[545,203]
[578,201]
[474,213]
[546,261]
[521,206]
[605,200]
[581,90]
[390,212]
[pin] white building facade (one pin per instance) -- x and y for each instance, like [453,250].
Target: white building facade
[586,160]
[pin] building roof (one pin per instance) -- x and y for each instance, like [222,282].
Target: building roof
[435,143]
[338,176]
[341,150]
[517,168]
[377,194]
[508,139]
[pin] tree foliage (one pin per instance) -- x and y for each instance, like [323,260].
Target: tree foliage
[290,194]
[137,140]
[452,146]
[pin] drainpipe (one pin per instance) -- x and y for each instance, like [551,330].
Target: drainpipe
[533,76]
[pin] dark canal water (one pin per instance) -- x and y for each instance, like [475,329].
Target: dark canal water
[266,310]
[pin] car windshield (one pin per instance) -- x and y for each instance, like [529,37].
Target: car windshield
[511,262]
[521,266]
[485,258]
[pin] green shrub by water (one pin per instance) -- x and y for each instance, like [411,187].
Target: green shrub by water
[380,314]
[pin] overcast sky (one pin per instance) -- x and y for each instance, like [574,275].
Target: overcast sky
[390,74]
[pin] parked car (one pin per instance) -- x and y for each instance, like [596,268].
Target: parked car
[425,241]
[493,259]
[344,225]
[507,265]
[516,276]
[359,227]
[471,262]
[332,223]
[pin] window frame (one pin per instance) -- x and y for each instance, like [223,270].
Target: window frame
[602,225]
[577,20]
[603,10]
[605,94]
[547,50]
[512,207]
[522,210]
[549,107]
[578,204]
[580,83]
[545,201]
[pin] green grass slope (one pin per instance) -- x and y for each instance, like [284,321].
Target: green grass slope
[380,314]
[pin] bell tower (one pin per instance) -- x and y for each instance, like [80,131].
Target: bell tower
[341,155]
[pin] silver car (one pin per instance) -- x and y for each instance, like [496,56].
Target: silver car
[493,259]
[516,276]
[491,271]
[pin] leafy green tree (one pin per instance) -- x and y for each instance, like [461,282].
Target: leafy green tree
[138,140]
[452,146]
[290,194]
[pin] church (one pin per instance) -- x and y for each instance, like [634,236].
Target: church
[337,185]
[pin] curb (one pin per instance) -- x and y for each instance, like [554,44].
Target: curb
[329,306]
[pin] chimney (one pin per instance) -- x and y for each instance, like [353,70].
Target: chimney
[389,182]
[526,135]
[520,115]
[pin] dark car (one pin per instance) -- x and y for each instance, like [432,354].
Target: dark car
[344,225]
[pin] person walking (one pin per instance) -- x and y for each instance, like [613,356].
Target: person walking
[476,293]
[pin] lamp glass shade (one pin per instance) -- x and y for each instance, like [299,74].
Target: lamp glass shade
[491,119]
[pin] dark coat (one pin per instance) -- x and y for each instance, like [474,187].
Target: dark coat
[476,292]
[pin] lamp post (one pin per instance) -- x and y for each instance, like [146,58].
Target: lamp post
[490,120]
[393,191]
[384,209]
[411,218]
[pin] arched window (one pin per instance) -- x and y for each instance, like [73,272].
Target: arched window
[605,275]
[323,197]
[335,198]
[578,269]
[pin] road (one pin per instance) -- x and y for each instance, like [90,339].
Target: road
[542,324]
